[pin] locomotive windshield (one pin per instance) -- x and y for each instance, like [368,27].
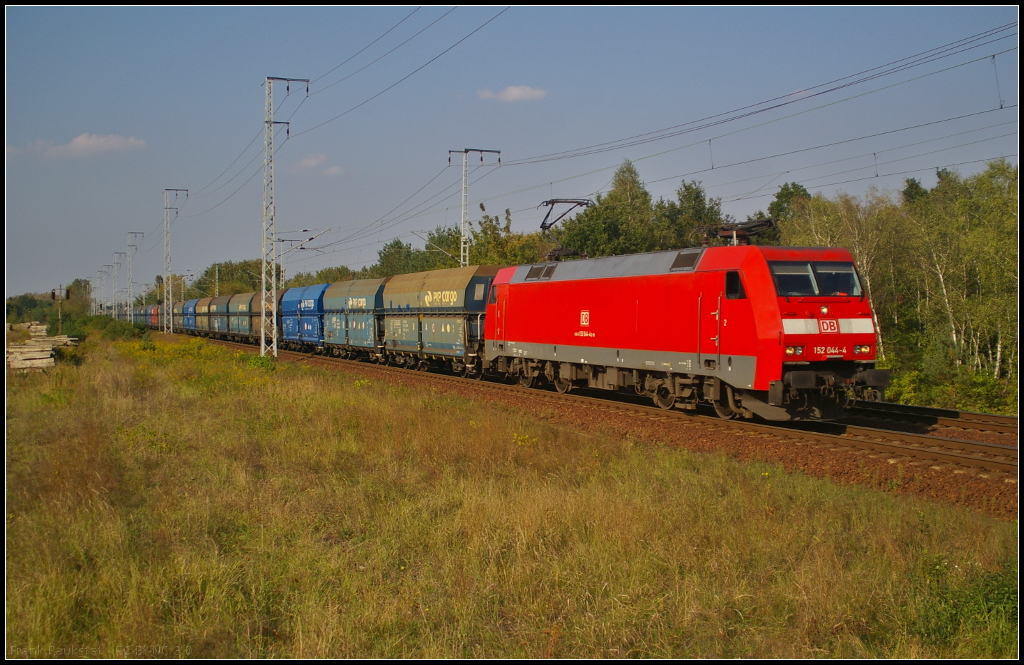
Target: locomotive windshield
[815,278]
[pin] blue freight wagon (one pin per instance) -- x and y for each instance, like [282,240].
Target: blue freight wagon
[178,315]
[190,316]
[240,315]
[351,325]
[219,316]
[302,310]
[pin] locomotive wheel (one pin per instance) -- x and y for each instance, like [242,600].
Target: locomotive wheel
[562,386]
[663,398]
[724,411]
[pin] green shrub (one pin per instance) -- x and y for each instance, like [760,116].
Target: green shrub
[266,363]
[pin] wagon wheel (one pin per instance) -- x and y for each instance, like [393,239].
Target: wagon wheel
[467,371]
[562,385]
[527,381]
[663,398]
[724,411]
[423,366]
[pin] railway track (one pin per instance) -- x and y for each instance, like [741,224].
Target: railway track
[988,422]
[899,446]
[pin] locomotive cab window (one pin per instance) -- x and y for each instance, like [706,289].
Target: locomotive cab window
[815,278]
[734,286]
[837,279]
[494,294]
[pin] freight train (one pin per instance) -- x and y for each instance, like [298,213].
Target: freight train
[782,333]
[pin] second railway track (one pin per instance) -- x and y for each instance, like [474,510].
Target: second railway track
[987,422]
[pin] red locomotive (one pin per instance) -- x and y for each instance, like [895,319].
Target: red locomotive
[784,333]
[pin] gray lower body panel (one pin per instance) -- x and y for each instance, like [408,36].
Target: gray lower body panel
[737,371]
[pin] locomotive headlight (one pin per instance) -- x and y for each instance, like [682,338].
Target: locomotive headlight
[862,349]
[824,309]
[794,350]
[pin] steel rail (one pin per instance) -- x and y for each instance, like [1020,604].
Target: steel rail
[991,422]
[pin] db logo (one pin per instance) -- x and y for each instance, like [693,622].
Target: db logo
[584,317]
[828,325]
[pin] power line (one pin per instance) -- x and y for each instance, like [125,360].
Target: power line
[737,131]
[331,85]
[368,229]
[358,234]
[254,158]
[807,181]
[832,144]
[895,66]
[884,175]
[732,200]
[774,120]
[340,115]
[346,112]
[244,150]
[380,224]
[836,161]
[260,130]
[663,152]
[232,178]
[903,159]
[248,180]
[381,218]
[382,36]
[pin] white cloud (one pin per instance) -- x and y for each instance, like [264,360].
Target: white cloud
[514,93]
[84,145]
[311,161]
[312,164]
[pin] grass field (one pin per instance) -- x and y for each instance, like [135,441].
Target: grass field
[173,498]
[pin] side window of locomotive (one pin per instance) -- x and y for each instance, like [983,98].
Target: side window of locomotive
[793,278]
[837,279]
[734,286]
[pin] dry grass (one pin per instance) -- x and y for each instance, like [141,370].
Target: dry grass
[18,336]
[159,505]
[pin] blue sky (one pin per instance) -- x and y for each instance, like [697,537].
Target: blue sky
[107,107]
